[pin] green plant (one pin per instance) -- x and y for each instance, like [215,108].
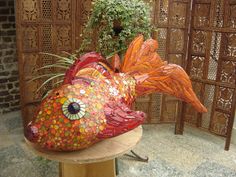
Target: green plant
[116,23]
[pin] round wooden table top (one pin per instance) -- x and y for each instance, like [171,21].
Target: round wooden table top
[102,151]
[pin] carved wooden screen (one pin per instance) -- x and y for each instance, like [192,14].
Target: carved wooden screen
[171,21]
[212,65]
[42,26]
[150,104]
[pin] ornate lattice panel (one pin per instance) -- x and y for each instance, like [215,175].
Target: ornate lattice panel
[171,22]
[212,64]
[171,19]
[42,26]
[82,14]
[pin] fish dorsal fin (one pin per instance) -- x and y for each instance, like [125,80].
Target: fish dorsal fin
[95,70]
[89,65]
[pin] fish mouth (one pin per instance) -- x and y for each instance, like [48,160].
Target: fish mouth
[31,132]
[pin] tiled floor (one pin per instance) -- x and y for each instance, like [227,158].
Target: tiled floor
[195,154]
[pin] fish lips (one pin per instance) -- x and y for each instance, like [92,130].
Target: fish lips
[31,132]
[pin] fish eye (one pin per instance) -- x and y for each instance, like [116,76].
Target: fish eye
[73,109]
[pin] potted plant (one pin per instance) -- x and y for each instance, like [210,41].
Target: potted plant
[115,23]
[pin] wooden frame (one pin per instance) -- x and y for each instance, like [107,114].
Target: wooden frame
[220,119]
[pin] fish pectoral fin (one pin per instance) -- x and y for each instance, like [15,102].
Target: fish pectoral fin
[120,119]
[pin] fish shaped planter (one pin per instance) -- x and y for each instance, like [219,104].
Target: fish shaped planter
[94,101]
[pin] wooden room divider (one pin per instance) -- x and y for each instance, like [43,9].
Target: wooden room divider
[45,26]
[199,35]
[212,65]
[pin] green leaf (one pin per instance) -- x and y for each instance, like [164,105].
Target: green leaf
[50,66]
[48,80]
[42,76]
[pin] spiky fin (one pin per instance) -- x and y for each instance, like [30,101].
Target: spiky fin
[154,75]
[81,62]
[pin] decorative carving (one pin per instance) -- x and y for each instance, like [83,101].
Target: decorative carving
[163,11]
[231,45]
[225,98]
[30,89]
[219,123]
[176,40]
[30,38]
[197,65]
[199,42]
[202,15]
[85,11]
[232,16]
[64,36]
[63,9]
[228,73]
[29,10]
[178,14]
[30,63]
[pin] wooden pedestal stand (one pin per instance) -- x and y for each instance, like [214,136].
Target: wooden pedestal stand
[96,161]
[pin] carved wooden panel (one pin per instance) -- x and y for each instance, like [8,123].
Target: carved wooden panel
[228,72]
[64,37]
[231,21]
[64,10]
[30,36]
[83,12]
[42,26]
[29,10]
[30,62]
[178,12]
[212,63]
[172,19]
[202,15]
[197,66]
[199,42]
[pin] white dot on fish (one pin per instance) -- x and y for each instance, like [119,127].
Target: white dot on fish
[82,91]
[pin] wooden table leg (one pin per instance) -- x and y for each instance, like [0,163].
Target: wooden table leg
[101,169]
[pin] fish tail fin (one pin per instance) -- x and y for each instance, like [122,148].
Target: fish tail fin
[154,75]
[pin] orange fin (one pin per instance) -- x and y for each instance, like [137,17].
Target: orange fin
[154,75]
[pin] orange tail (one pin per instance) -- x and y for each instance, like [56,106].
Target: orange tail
[154,75]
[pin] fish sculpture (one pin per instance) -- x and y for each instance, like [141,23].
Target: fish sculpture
[94,101]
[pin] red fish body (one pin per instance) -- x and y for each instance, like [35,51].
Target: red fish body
[93,103]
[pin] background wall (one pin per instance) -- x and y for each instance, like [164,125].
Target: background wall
[9,82]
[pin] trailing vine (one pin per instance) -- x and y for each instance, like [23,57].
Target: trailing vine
[115,23]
